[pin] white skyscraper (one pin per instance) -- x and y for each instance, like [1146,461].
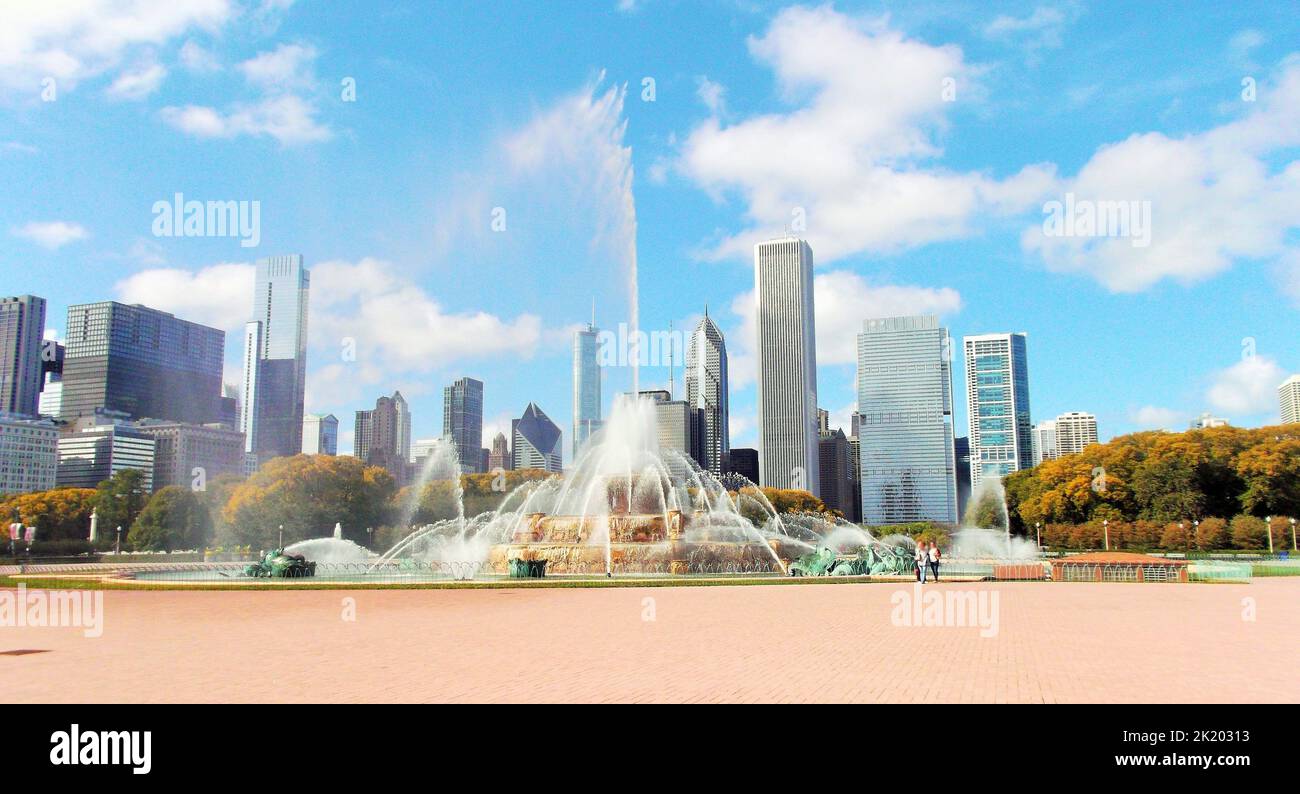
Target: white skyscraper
[1045,441]
[997,399]
[1074,432]
[275,359]
[706,393]
[787,364]
[586,385]
[1289,395]
[906,456]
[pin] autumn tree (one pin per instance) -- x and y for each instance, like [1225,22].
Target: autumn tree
[1248,532]
[60,514]
[1213,534]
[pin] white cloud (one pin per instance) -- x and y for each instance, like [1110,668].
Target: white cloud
[139,82]
[288,67]
[711,94]
[841,301]
[197,58]
[1152,417]
[401,328]
[1214,197]
[19,146]
[74,41]
[1042,29]
[856,152]
[219,295]
[288,119]
[51,234]
[1247,388]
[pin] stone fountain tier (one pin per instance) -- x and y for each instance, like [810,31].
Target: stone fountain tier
[623,528]
[680,557]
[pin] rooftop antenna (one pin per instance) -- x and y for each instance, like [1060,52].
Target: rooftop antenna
[593,312]
[670,360]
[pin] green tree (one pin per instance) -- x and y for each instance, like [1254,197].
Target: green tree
[1248,532]
[175,518]
[118,501]
[308,495]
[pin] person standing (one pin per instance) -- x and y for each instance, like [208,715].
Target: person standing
[922,558]
[934,560]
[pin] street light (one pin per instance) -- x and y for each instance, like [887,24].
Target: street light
[118,548]
[1268,529]
[282,536]
[1105,525]
[1038,529]
[1196,528]
[1293,548]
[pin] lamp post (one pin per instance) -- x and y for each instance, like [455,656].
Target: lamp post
[282,536]
[1293,548]
[1038,530]
[1105,527]
[1268,530]
[370,532]
[117,549]
[1196,528]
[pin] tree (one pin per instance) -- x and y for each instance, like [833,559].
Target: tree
[1213,534]
[1271,477]
[118,501]
[308,495]
[1248,532]
[60,514]
[1175,537]
[175,518]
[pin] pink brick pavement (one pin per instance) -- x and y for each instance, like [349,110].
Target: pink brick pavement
[1057,643]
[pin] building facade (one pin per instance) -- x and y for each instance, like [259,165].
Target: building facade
[22,328]
[997,399]
[536,441]
[1206,421]
[908,466]
[835,460]
[1075,430]
[462,421]
[1288,395]
[744,463]
[1045,441]
[29,455]
[96,453]
[320,434]
[499,457]
[382,436]
[191,455]
[787,364]
[706,393]
[275,359]
[140,362]
[586,386]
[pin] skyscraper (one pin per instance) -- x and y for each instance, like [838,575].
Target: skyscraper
[382,436]
[1045,441]
[462,421]
[96,453]
[320,434]
[499,458]
[275,358]
[141,362]
[1075,430]
[185,454]
[676,428]
[706,393]
[536,440]
[997,397]
[586,385]
[22,327]
[835,459]
[51,402]
[908,469]
[1288,394]
[787,364]
[29,451]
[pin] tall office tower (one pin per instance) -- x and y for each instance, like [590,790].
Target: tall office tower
[383,436]
[320,434]
[536,441]
[140,362]
[51,401]
[997,399]
[22,329]
[676,427]
[29,454]
[1045,442]
[462,421]
[499,457]
[275,359]
[97,452]
[1288,394]
[905,421]
[187,455]
[1074,432]
[961,449]
[855,470]
[586,386]
[706,392]
[787,364]
[837,480]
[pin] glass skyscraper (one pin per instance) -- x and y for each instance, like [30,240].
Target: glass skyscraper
[462,421]
[706,393]
[586,386]
[787,364]
[905,437]
[997,396]
[536,441]
[141,362]
[22,326]
[275,359]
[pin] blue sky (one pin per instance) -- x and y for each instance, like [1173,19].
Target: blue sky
[760,115]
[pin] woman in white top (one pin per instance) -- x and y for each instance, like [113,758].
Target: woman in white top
[922,560]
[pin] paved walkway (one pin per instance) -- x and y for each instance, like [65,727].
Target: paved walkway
[1055,642]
